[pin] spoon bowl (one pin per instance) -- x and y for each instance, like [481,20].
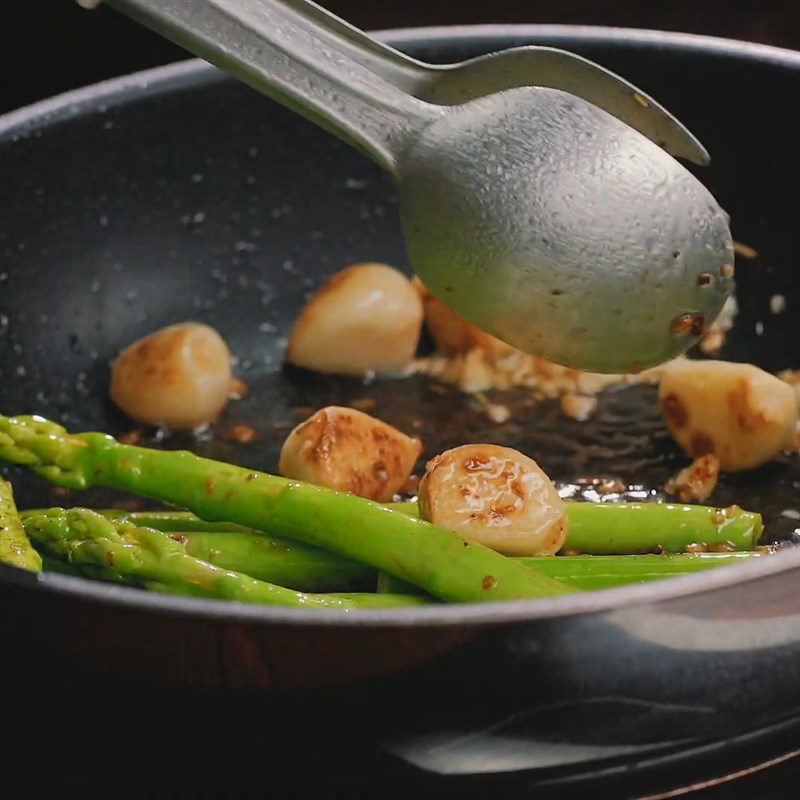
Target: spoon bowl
[561,230]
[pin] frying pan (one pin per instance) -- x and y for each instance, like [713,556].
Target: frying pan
[179,194]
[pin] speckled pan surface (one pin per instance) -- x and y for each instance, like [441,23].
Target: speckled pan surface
[178,194]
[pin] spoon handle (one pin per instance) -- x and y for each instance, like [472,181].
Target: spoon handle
[406,73]
[286,54]
[531,65]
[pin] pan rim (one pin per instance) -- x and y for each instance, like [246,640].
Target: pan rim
[592,33]
[461,614]
[193,71]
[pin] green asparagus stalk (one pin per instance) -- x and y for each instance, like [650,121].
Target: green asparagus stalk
[182,521]
[123,551]
[594,528]
[109,576]
[254,554]
[309,569]
[264,557]
[15,547]
[631,528]
[444,564]
[287,563]
[599,528]
[619,528]
[591,573]
[257,555]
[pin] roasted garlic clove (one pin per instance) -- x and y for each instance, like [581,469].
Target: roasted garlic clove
[496,496]
[345,449]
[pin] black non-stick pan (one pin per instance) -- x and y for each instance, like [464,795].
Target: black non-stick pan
[180,194]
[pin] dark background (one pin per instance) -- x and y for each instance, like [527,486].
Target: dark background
[49,46]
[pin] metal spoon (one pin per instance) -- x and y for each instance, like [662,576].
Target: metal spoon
[538,216]
[453,84]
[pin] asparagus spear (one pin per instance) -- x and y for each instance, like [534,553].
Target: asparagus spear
[630,528]
[618,528]
[253,553]
[256,554]
[109,576]
[309,569]
[292,564]
[181,521]
[444,564]
[591,573]
[240,552]
[123,551]
[594,528]
[15,547]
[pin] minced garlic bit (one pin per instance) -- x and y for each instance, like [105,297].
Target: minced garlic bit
[745,251]
[578,406]
[478,371]
[715,337]
[241,433]
[497,413]
[238,389]
[695,483]
[131,437]
[777,304]
[712,342]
